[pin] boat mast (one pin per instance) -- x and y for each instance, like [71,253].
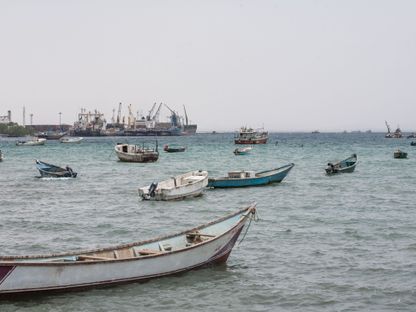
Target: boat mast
[186,116]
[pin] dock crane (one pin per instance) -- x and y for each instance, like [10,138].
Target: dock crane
[156,115]
[149,116]
[119,113]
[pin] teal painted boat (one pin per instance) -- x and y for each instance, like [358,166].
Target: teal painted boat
[346,165]
[251,178]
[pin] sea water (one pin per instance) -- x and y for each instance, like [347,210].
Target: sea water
[322,243]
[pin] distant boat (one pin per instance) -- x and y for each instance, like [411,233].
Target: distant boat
[190,184]
[250,136]
[251,178]
[207,244]
[51,135]
[413,143]
[33,142]
[174,149]
[315,131]
[397,134]
[399,154]
[134,153]
[71,140]
[1,156]
[412,135]
[242,150]
[48,170]
[346,165]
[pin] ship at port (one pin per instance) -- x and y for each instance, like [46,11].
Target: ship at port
[94,124]
[396,134]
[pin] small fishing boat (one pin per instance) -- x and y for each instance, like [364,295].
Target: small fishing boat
[200,246]
[251,178]
[48,170]
[71,140]
[400,154]
[51,135]
[33,142]
[190,184]
[242,150]
[346,165]
[413,143]
[174,149]
[134,153]
[251,136]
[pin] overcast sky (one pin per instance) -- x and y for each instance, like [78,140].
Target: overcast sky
[285,65]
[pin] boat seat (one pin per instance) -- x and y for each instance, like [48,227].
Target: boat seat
[149,252]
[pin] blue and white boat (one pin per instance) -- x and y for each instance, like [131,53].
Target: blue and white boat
[251,178]
[48,170]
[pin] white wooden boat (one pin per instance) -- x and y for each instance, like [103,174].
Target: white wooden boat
[135,153]
[71,140]
[189,184]
[35,141]
[206,244]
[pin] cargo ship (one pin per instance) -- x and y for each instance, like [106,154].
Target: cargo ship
[94,124]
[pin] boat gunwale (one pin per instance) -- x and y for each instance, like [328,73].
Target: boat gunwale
[9,260]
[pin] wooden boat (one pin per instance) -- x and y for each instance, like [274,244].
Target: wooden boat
[190,184]
[250,136]
[242,150]
[174,149]
[346,165]
[71,140]
[48,170]
[35,141]
[134,153]
[250,178]
[207,244]
[400,154]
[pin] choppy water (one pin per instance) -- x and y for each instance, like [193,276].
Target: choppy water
[340,243]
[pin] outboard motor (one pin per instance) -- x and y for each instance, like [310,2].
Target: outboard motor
[152,189]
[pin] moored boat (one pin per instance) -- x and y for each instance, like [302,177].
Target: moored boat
[190,184]
[346,165]
[32,142]
[399,154]
[71,140]
[135,153]
[48,170]
[251,136]
[174,148]
[51,135]
[251,178]
[242,150]
[207,244]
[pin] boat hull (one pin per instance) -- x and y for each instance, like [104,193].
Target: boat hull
[255,181]
[251,141]
[20,277]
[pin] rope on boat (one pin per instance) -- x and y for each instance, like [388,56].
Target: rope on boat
[254,216]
